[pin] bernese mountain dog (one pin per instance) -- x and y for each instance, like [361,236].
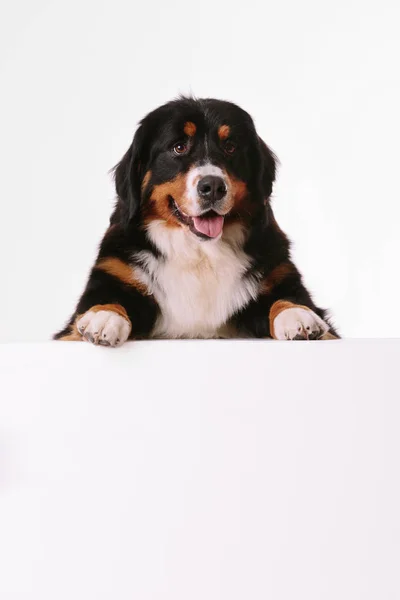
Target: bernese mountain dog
[193,249]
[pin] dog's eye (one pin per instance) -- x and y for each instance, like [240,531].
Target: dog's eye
[229,147]
[180,148]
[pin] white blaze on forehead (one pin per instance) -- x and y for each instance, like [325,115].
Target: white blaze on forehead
[193,178]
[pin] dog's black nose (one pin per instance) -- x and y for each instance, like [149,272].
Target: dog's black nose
[211,188]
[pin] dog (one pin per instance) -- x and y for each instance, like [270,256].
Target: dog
[193,249]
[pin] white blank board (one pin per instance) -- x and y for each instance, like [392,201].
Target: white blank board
[200,470]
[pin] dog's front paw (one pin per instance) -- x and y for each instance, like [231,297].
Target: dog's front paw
[104,326]
[294,322]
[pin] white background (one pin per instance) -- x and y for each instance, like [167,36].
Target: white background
[321,80]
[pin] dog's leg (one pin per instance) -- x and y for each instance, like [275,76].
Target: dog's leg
[114,307]
[284,310]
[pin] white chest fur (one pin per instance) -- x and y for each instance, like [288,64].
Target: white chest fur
[199,285]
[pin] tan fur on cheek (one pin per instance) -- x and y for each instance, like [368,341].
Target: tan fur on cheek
[159,204]
[190,128]
[239,202]
[239,190]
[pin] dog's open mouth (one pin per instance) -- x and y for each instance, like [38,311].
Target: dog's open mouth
[209,225]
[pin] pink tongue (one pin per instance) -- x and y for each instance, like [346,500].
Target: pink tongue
[211,226]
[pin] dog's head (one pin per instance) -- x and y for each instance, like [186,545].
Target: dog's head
[197,165]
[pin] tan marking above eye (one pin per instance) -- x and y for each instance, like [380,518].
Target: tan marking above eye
[190,128]
[224,132]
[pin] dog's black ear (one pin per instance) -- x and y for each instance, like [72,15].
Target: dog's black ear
[269,164]
[128,176]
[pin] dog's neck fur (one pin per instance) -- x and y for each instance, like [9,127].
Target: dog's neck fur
[198,284]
